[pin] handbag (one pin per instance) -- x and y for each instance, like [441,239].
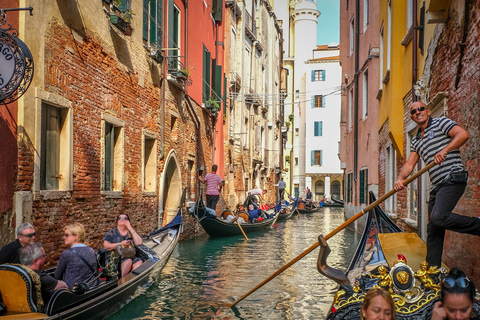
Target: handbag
[127,252]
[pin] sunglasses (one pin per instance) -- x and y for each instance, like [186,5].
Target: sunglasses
[122,218]
[66,235]
[419,109]
[463,282]
[29,235]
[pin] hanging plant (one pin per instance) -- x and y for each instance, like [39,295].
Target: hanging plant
[212,105]
[290,117]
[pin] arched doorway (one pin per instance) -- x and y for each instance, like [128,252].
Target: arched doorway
[170,189]
[336,189]
[319,190]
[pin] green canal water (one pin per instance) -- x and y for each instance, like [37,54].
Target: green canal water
[205,275]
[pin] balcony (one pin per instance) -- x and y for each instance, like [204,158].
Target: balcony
[250,26]
[235,80]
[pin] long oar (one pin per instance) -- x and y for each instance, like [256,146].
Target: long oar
[334,232]
[238,223]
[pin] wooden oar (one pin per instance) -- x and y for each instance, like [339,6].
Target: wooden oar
[334,232]
[236,218]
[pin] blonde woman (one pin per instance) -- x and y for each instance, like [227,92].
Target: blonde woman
[78,263]
[377,305]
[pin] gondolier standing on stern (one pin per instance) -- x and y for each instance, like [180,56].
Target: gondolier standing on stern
[439,140]
[214,186]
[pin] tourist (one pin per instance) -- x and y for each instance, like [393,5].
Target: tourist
[456,298]
[123,236]
[79,263]
[439,140]
[214,187]
[25,235]
[33,256]
[377,305]
[281,188]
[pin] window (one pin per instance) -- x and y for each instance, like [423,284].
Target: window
[296,189]
[365,94]
[55,165]
[318,75]
[381,56]
[296,161]
[350,110]
[316,157]
[149,163]
[112,154]
[233,49]
[366,9]
[152,23]
[349,187]
[352,34]
[317,128]
[318,101]
[336,188]
[363,186]
[206,74]
[389,34]
[296,132]
[173,35]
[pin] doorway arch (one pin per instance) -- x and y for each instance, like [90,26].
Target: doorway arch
[170,189]
[319,190]
[336,189]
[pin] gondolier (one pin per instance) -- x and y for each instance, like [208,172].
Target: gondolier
[214,186]
[439,140]
[281,187]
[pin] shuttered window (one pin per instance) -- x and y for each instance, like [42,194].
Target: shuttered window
[206,74]
[153,23]
[349,187]
[317,128]
[363,186]
[316,157]
[50,147]
[318,75]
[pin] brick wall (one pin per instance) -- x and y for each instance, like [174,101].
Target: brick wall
[98,79]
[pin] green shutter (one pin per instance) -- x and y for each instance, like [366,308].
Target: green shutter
[145,19]
[171,29]
[153,22]
[206,74]
[320,128]
[218,10]
[323,75]
[159,25]
[362,187]
[313,75]
[313,157]
[123,5]
[323,101]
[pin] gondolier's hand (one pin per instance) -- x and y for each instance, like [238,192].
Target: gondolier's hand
[399,185]
[440,157]
[438,312]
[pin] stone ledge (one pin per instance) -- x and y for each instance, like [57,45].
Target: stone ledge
[55,194]
[410,222]
[112,194]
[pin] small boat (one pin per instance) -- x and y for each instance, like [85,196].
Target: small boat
[287,213]
[305,208]
[100,301]
[385,257]
[338,201]
[333,205]
[219,227]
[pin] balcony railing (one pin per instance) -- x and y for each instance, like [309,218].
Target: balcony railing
[176,70]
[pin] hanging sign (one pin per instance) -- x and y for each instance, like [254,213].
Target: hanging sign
[16,67]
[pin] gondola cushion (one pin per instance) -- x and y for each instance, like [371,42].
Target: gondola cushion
[18,289]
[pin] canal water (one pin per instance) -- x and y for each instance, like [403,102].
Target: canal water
[205,275]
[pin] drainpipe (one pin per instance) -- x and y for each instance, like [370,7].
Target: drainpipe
[357,62]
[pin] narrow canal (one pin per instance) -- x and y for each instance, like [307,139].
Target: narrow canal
[205,275]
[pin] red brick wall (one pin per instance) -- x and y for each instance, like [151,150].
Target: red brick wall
[455,69]
[96,80]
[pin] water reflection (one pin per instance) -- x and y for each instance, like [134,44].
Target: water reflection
[205,275]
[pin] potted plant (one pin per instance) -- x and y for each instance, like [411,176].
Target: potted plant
[212,105]
[287,124]
[119,17]
[287,158]
[183,74]
[290,117]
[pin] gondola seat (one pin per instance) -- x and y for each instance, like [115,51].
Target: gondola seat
[227,213]
[20,289]
[244,215]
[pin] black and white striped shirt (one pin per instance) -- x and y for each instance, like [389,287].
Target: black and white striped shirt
[435,138]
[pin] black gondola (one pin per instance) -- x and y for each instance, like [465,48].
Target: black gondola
[106,298]
[288,212]
[385,257]
[216,227]
[338,201]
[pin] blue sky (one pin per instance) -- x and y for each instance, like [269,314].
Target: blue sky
[328,27]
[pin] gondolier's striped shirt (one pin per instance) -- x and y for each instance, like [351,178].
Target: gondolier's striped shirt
[434,140]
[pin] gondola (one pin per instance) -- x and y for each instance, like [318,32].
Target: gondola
[100,301]
[333,205]
[216,227]
[385,257]
[338,201]
[287,213]
[303,208]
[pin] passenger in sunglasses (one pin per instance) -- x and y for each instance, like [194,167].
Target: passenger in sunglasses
[25,236]
[456,298]
[438,140]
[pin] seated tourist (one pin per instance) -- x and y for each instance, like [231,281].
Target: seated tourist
[25,236]
[377,304]
[254,213]
[33,256]
[122,236]
[456,298]
[79,263]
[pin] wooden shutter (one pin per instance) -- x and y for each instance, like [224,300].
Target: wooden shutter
[320,128]
[313,101]
[153,22]
[145,19]
[109,155]
[50,152]
[217,10]
[159,24]
[206,74]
